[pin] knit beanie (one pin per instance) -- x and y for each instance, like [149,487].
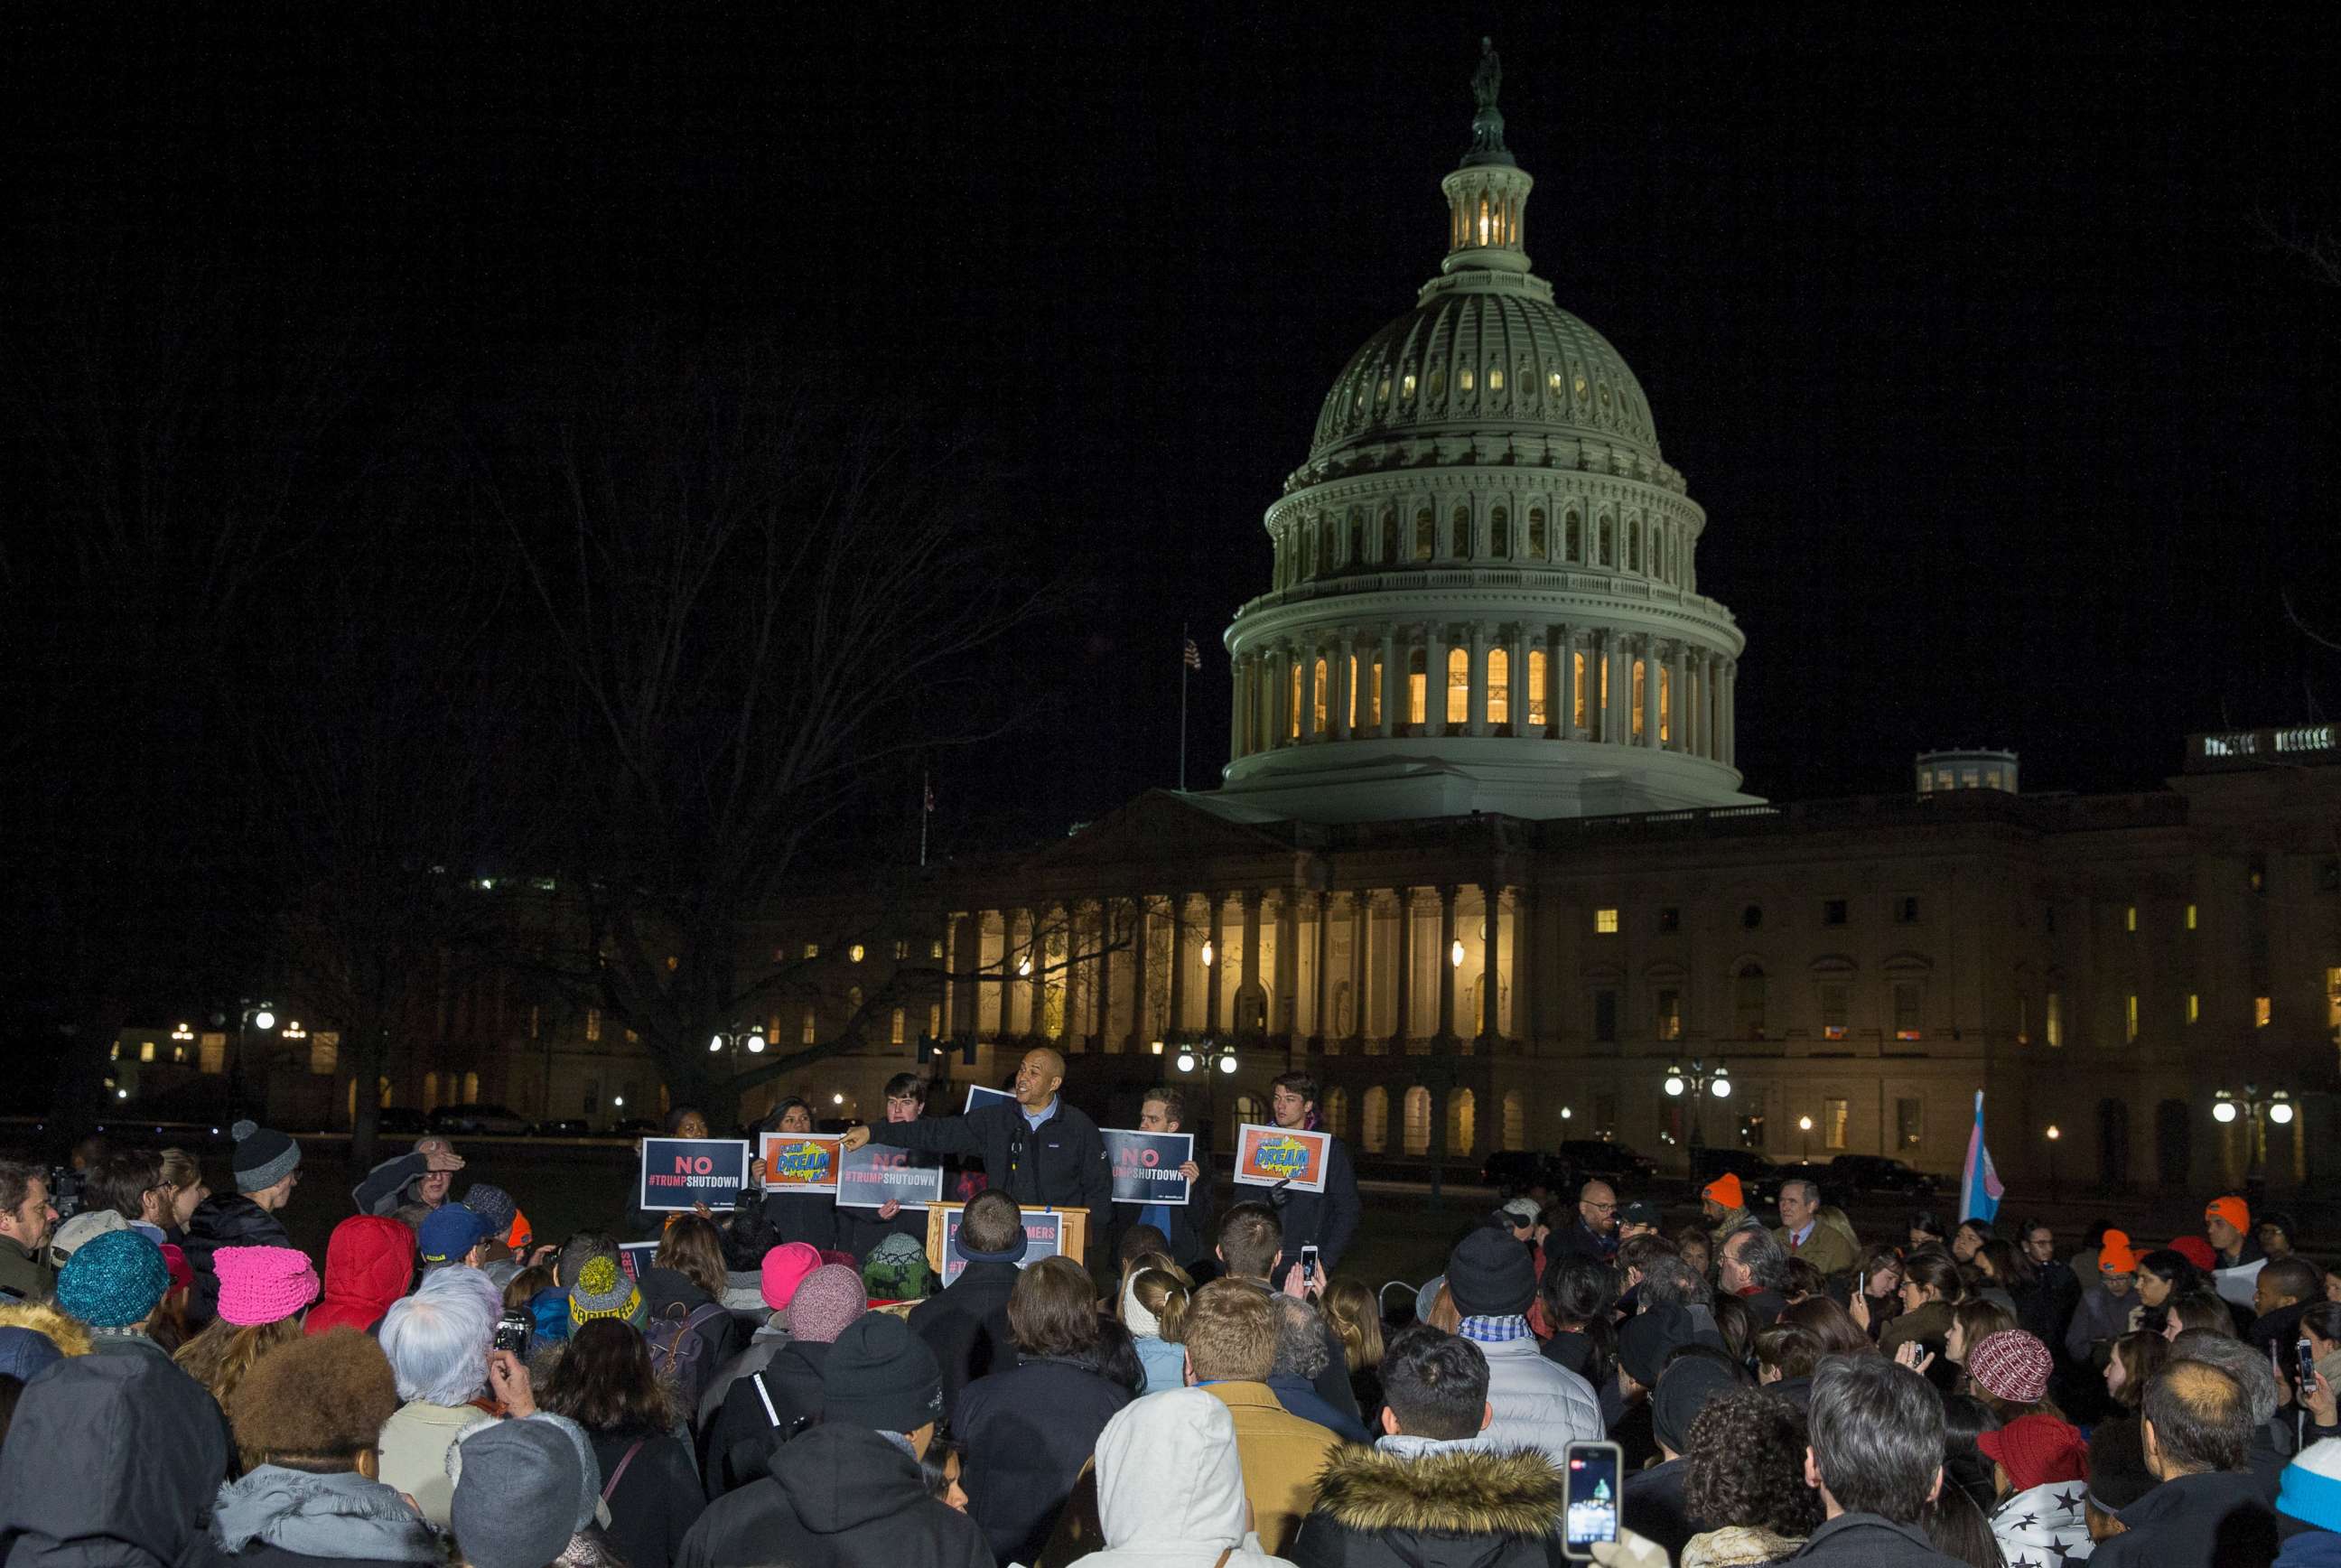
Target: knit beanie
[2012,1365]
[79,1231]
[263,1157]
[263,1284]
[1683,1390]
[2118,1472]
[1489,1275]
[602,1290]
[830,1299]
[1644,1344]
[880,1375]
[1726,1190]
[182,1272]
[896,1269]
[493,1204]
[2233,1210]
[2115,1255]
[2196,1251]
[2310,1488]
[515,1504]
[1142,1324]
[784,1268]
[2035,1450]
[113,1280]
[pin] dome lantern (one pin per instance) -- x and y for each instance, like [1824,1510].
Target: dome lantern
[1487,195]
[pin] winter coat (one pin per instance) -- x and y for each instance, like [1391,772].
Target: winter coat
[836,1497]
[1170,1489]
[2311,1549]
[369,1263]
[669,1295]
[763,1344]
[1736,1546]
[2044,1309]
[1829,1249]
[1062,1162]
[2220,1519]
[1027,1432]
[224,1220]
[1869,1540]
[1930,1325]
[286,1517]
[1165,1363]
[1297,1395]
[657,1499]
[1539,1403]
[967,1327]
[2044,1523]
[761,1411]
[1651,1503]
[414,1444]
[1579,1239]
[1193,1231]
[1280,1455]
[811,1218]
[396,1181]
[2098,1314]
[2280,1331]
[26,1276]
[112,1463]
[1413,1503]
[1329,1218]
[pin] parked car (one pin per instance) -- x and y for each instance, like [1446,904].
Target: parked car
[1759,1178]
[478,1119]
[401,1121]
[563,1127]
[1512,1172]
[1877,1173]
[635,1127]
[1613,1162]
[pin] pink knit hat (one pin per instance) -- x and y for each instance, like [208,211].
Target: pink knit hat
[785,1268]
[2012,1365]
[829,1299]
[263,1284]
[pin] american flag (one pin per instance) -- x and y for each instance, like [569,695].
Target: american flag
[1192,655]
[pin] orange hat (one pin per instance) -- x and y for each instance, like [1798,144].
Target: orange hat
[2115,1255]
[1725,1190]
[2233,1210]
[520,1235]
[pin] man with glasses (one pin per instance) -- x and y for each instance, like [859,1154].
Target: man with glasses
[1594,1232]
[1803,1233]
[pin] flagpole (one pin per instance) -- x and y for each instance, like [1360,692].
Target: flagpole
[1183,640]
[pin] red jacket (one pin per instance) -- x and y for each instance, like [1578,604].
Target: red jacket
[369,1262]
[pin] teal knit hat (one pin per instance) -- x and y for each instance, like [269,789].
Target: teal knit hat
[113,1280]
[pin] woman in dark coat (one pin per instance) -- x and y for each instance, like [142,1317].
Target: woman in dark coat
[782,1217]
[1030,1429]
[112,1460]
[603,1382]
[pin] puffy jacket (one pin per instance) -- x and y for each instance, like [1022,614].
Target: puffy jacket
[837,1497]
[279,1517]
[1060,1161]
[369,1263]
[224,1220]
[1028,1432]
[112,1463]
[1411,1502]
[1170,1488]
[1539,1403]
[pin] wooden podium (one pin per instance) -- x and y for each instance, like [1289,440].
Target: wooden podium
[1075,1222]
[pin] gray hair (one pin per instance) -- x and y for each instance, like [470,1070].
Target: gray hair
[1811,1189]
[1301,1350]
[1668,1280]
[1765,1260]
[1876,1436]
[437,1339]
[2239,1361]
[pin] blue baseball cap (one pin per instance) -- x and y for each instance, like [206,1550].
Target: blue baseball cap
[450,1231]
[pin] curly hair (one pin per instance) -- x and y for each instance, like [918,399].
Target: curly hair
[1744,1465]
[314,1404]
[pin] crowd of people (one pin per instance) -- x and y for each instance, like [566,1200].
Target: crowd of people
[791,1385]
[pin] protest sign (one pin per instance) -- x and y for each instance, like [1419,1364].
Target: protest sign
[1044,1237]
[873,1174]
[1281,1156]
[1146,1165]
[635,1256]
[799,1161]
[678,1173]
[977,1095]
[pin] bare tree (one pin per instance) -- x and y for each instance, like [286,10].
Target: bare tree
[756,600]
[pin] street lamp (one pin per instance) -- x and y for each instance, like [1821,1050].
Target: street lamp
[2052,1134]
[1804,1125]
[2257,1110]
[1699,1081]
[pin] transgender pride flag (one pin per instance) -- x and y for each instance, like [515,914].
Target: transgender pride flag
[1979,1188]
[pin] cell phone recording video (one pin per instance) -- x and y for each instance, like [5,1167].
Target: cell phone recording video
[1308,1263]
[1590,1496]
[513,1333]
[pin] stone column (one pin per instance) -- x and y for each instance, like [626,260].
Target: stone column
[1285,1019]
[1214,906]
[1242,683]
[1731,705]
[1678,694]
[1176,1024]
[1523,963]
[1608,701]
[1519,674]
[1491,973]
[1306,654]
[1403,1021]
[1393,679]
[1321,908]
[1434,679]
[1104,982]
[1650,693]
[1446,964]
[1340,684]
[1359,927]
[1475,710]
[1252,949]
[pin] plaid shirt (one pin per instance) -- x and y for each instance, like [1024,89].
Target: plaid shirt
[1495,1329]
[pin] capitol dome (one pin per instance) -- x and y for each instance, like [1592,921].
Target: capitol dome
[1484,595]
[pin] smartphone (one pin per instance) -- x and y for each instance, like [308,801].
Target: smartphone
[513,1333]
[2305,1366]
[1589,1498]
[1308,1265]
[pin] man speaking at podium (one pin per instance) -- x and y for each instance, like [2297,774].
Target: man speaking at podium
[1038,1150]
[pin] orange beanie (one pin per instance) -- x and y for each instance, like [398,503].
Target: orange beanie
[2115,1255]
[1725,1190]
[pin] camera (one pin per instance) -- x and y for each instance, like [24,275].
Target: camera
[512,1331]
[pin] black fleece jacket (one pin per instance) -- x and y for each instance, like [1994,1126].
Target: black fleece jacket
[836,1497]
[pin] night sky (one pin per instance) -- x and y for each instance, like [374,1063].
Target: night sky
[2010,423]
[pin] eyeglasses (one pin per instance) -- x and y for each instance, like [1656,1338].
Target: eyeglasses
[1599,1208]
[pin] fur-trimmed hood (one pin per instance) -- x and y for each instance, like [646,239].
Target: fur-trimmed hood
[70,1335]
[1440,1489]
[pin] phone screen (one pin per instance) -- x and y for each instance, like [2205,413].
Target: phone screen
[1308,1262]
[1591,1495]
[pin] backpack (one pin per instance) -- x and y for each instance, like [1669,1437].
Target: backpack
[679,1355]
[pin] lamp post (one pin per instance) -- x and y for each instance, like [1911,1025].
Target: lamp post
[1804,1125]
[2257,1110]
[1699,1081]
[250,1015]
[1204,1057]
[738,1038]
[2053,1135]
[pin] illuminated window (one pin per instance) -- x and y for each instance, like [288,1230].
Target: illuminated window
[470,1088]
[1417,1119]
[1577,689]
[1833,1123]
[593,1023]
[2129,1016]
[808,1035]
[2194,1007]
[211,1052]
[895,1029]
[854,953]
[1536,534]
[813,950]
[1316,682]
[1418,695]
[1463,379]
[1406,385]
[1381,388]
[2055,1020]
[1670,1014]
[1605,922]
[1906,1011]
[1496,378]
[324,1053]
[1499,533]
[1636,719]
[114,1055]
[1374,693]
[431,1091]
[1438,382]
[1553,383]
[2190,917]
[1666,703]
[935,950]
[1499,686]
[147,1051]
[1459,685]
[1426,535]
[2129,918]
[1539,710]
[2262,1013]
[1292,706]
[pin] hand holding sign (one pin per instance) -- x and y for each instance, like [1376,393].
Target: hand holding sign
[1150,1167]
[1282,1157]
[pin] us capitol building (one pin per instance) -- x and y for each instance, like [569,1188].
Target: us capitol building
[1482,862]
